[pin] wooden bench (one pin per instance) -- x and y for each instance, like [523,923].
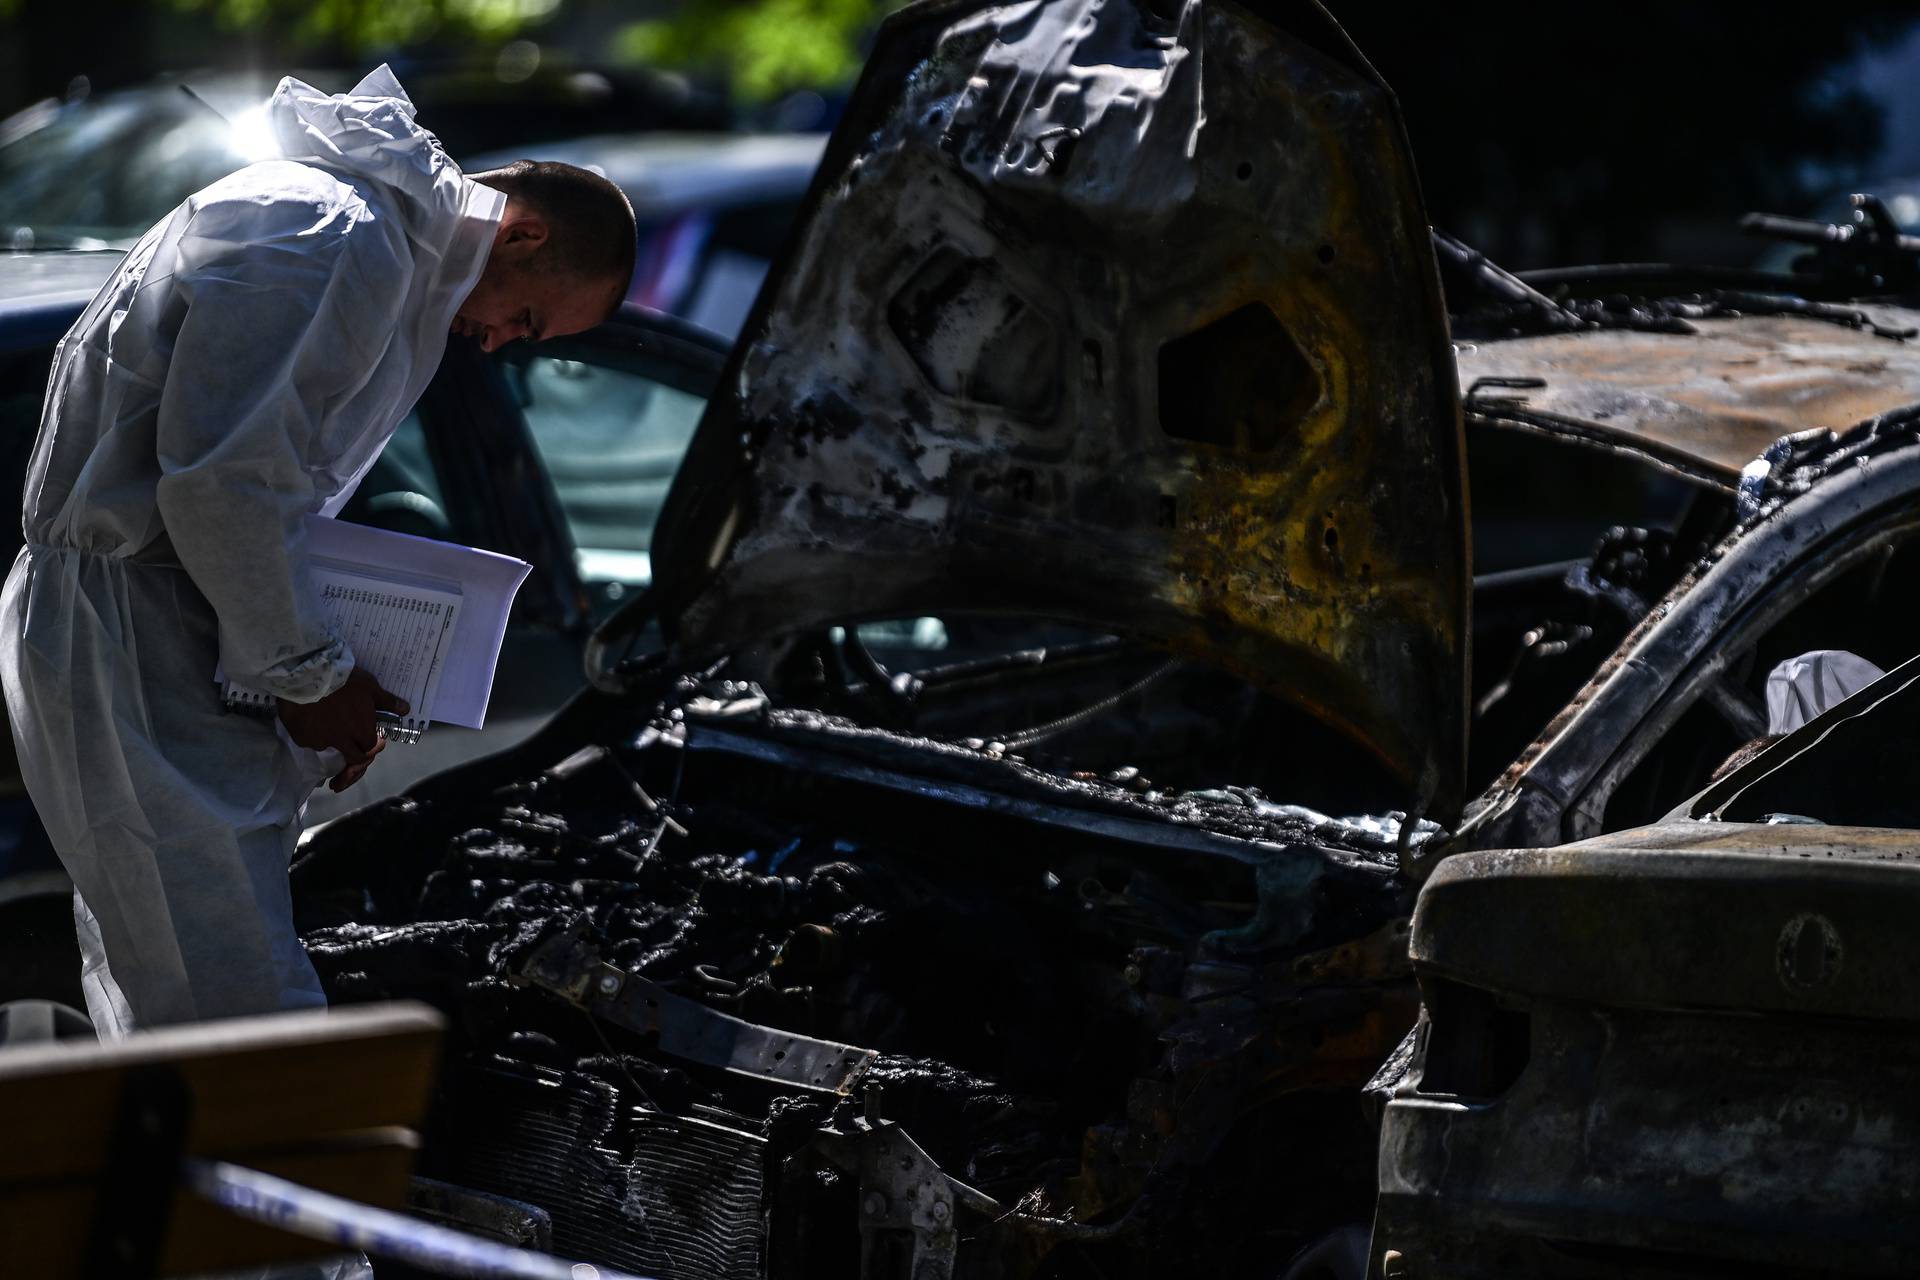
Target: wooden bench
[91,1135]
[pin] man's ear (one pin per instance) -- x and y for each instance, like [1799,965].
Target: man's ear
[525,232]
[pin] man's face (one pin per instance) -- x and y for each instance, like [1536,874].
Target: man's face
[514,298]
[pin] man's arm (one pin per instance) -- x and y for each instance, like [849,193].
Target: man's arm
[265,346]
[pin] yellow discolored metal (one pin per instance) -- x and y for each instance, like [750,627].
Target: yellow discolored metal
[1155,348]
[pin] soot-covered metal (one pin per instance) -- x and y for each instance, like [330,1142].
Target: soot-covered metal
[1111,348]
[758,991]
[1118,313]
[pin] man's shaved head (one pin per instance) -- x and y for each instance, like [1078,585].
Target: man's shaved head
[562,255]
[593,234]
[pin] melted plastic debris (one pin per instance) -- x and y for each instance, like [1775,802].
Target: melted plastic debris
[1794,464]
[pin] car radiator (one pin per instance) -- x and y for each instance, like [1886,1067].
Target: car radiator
[677,1197]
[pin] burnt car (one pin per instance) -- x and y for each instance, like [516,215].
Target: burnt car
[1682,1052]
[1082,520]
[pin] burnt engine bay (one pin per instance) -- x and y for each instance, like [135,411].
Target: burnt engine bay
[759,990]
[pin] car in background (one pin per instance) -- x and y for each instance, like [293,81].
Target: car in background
[713,206]
[713,211]
[95,173]
[96,170]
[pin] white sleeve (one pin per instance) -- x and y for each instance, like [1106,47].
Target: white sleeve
[262,349]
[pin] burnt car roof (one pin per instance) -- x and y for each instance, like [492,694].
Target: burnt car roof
[1082,324]
[1707,402]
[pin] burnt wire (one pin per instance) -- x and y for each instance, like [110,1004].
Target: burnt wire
[1490,302]
[1053,728]
[619,1060]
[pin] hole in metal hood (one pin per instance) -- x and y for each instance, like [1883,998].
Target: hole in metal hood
[949,396]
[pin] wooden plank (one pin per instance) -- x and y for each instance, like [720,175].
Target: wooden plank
[46,1230]
[256,1083]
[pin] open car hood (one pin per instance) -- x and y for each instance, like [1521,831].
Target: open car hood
[1123,314]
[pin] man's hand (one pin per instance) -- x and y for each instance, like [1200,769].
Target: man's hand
[354,772]
[344,721]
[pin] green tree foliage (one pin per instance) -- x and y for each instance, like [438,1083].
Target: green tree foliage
[765,47]
[762,47]
[358,26]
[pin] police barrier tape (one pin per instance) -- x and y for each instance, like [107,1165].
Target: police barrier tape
[287,1206]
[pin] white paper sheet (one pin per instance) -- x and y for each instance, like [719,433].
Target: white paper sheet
[487,581]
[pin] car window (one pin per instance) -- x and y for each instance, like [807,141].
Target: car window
[1860,608]
[611,439]
[706,265]
[744,241]
[106,172]
[1855,766]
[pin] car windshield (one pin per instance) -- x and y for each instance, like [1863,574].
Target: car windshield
[99,174]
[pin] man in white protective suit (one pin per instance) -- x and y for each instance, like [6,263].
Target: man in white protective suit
[242,369]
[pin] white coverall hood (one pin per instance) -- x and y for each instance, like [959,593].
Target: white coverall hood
[241,370]
[371,133]
[1804,687]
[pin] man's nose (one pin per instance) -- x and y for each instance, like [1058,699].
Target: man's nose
[501,335]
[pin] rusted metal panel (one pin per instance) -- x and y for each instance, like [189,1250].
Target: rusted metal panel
[1118,314]
[1708,402]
